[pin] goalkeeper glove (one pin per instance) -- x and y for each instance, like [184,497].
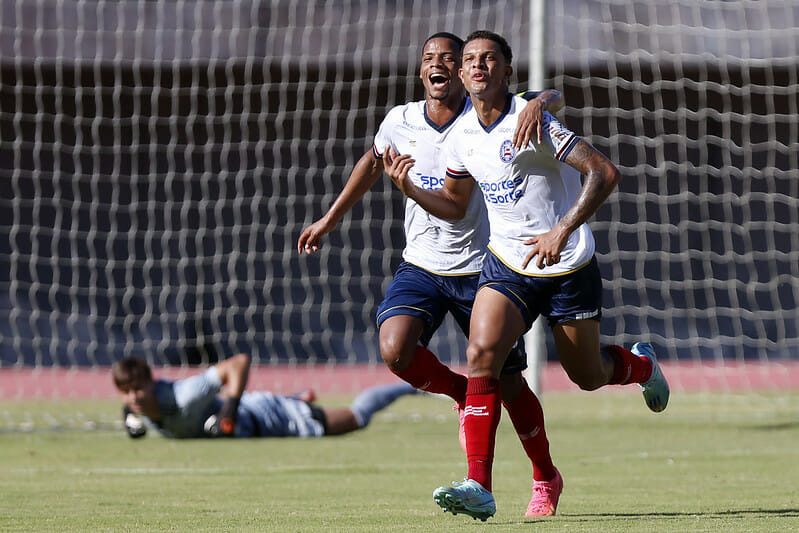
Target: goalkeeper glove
[223,424]
[228,415]
[134,425]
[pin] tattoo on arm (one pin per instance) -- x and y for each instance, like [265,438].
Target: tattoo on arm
[582,155]
[601,177]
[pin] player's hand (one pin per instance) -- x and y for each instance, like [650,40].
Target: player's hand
[547,247]
[311,238]
[530,121]
[397,167]
[134,425]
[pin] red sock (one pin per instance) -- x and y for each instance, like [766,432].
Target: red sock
[482,418]
[427,373]
[528,419]
[627,367]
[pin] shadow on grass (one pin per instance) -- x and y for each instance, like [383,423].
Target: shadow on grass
[733,513]
[778,427]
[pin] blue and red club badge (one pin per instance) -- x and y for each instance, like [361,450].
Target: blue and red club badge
[507,152]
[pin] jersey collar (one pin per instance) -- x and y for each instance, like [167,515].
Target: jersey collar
[508,101]
[441,129]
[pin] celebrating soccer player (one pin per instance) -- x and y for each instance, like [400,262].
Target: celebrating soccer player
[541,258]
[443,258]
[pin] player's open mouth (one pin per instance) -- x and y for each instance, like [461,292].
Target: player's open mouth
[438,81]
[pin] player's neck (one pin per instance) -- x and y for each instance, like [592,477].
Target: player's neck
[490,107]
[442,111]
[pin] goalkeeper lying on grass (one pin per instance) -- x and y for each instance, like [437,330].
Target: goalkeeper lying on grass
[193,407]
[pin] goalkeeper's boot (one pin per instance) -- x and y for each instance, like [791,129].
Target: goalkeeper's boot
[545,496]
[656,388]
[468,498]
[461,408]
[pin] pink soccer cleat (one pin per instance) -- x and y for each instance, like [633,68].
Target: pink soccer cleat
[545,497]
[461,408]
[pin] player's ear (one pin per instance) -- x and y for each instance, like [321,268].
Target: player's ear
[508,72]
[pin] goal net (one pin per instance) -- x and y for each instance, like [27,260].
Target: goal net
[696,104]
[158,161]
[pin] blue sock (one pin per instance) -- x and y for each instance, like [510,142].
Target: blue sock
[376,398]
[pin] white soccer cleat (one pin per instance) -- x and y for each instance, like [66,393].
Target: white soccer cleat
[468,498]
[656,388]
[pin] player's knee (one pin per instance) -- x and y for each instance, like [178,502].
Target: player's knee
[394,353]
[481,361]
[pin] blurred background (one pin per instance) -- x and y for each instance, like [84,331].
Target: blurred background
[159,159]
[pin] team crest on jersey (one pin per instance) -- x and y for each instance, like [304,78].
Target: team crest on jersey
[507,152]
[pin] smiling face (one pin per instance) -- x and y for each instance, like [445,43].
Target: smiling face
[439,69]
[485,72]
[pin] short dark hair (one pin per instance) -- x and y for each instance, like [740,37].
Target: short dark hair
[446,35]
[130,370]
[504,47]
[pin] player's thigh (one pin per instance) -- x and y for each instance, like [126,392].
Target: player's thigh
[399,336]
[495,326]
[577,344]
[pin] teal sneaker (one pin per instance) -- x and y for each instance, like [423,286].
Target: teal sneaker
[468,498]
[656,388]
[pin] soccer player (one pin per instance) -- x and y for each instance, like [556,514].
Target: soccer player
[541,258]
[443,258]
[193,407]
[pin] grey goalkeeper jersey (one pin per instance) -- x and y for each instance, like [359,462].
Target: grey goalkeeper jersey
[187,403]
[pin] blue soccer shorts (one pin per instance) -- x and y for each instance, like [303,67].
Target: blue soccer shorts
[576,295]
[417,292]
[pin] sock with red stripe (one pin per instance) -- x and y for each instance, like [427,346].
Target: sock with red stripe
[483,412]
[527,416]
[427,373]
[627,367]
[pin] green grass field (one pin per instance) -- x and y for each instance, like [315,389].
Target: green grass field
[720,462]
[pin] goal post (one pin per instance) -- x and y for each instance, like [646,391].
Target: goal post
[535,339]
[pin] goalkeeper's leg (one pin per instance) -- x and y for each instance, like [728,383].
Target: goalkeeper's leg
[365,405]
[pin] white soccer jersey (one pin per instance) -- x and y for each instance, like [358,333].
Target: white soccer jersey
[446,247]
[526,193]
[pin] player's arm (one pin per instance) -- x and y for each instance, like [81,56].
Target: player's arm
[366,172]
[233,373]
[449,202]
[600,178]
[532,116]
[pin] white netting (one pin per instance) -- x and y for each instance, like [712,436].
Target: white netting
[158,161]
[697,103]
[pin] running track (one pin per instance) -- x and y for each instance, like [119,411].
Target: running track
[27,383]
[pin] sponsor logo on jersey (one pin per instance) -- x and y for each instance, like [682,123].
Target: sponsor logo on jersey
[507,152]
[430,182]
[505,191]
